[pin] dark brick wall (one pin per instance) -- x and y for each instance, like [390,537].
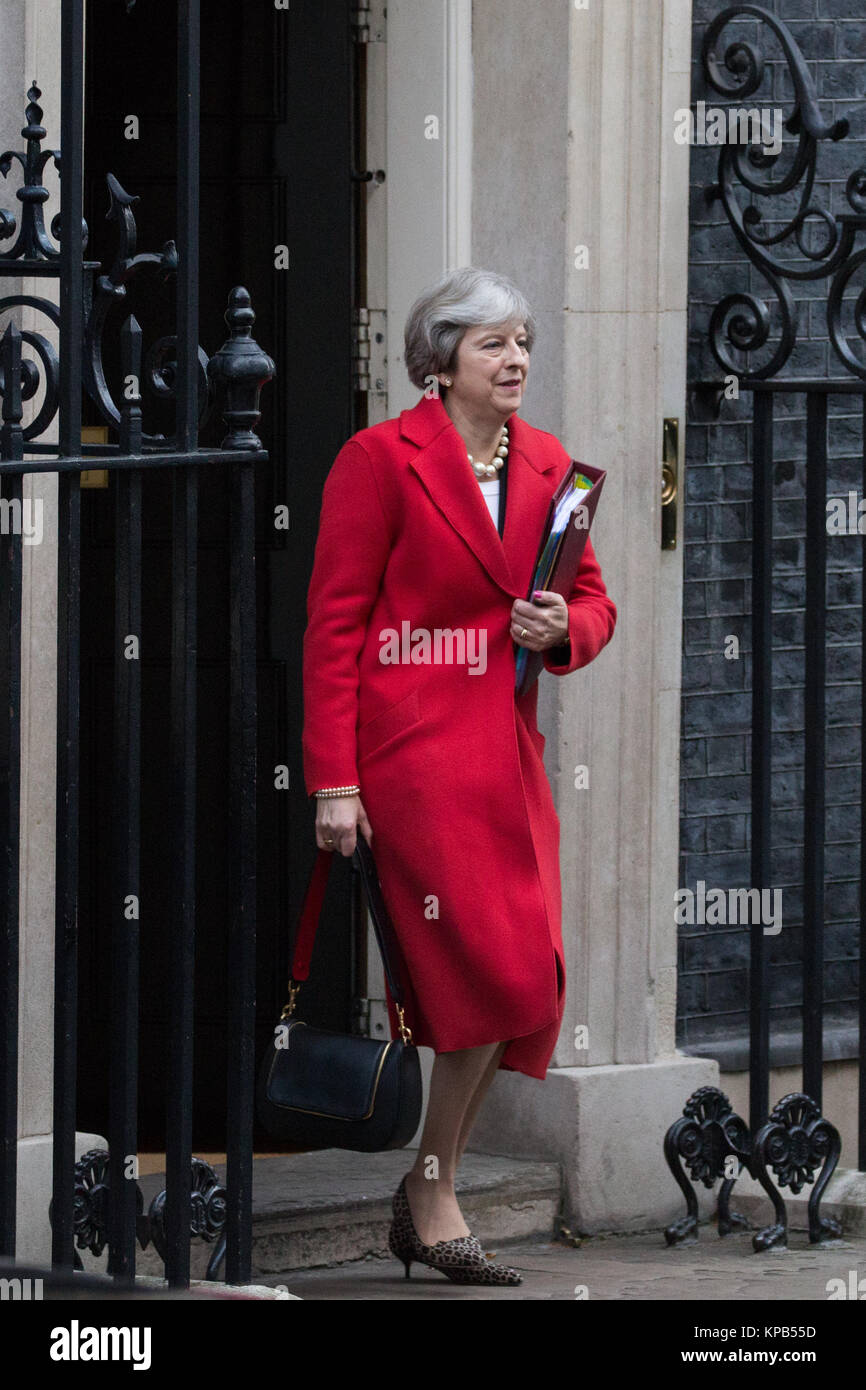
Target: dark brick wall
[715,748]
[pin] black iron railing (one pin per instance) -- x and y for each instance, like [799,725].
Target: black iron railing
[753,347]
[96,1200]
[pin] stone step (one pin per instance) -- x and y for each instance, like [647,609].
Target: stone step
[317,1209]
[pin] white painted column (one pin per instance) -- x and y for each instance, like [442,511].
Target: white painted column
[429,75]
[30,34]
[30,51]
[574,149]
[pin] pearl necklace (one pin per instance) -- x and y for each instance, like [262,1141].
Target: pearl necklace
[490,470]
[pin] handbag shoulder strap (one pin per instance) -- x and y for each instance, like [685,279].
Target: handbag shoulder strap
[310,914]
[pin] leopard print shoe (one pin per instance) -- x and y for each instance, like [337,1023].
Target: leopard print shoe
[461,1260]
[402,1238]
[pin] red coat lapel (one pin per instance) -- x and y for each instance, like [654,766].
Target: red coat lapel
[531,483]
[444,471]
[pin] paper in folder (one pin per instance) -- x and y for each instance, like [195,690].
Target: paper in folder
[572,509]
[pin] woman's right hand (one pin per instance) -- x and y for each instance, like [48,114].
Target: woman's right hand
[338,819]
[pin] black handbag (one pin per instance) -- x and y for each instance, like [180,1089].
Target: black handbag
[323,1090]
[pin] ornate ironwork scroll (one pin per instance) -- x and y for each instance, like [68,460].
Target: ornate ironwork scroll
[740,322]
[91,1206]
[793,1142]
[33,243]
[107,304]
[703,1140]
[207,1217]
[34,253]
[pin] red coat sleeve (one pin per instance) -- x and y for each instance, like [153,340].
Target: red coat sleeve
[591,619]
[351,554]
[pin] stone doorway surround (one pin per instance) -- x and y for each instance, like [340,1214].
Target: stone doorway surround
[573,148]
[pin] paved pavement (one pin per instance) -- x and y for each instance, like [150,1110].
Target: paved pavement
[622,1267]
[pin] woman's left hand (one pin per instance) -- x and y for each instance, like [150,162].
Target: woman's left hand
[544,621]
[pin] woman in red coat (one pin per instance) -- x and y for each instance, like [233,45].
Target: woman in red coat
[413,736]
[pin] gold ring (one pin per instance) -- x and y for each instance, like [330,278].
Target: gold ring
[329,842]
[522,633]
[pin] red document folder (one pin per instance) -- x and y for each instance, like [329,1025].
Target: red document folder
[560,553]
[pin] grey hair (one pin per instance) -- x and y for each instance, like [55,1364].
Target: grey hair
[461,299]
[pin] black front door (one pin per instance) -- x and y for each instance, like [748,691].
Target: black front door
[277,215]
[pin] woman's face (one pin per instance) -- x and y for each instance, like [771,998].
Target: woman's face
[492,366]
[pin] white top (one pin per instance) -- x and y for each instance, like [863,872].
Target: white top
[490,491]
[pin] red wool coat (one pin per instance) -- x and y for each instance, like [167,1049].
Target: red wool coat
[465,833]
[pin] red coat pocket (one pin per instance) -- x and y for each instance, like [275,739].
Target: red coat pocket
[376,732]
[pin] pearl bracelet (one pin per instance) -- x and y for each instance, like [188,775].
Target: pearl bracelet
[339,791]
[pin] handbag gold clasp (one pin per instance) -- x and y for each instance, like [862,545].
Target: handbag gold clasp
[405,1030]
[289,1008]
